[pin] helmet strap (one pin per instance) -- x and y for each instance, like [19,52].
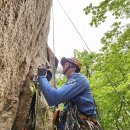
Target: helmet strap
[68,68]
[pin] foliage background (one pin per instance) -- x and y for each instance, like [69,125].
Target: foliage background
[109,70]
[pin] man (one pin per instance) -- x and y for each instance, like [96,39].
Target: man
[75,93]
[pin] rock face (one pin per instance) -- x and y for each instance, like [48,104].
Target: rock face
[24,27]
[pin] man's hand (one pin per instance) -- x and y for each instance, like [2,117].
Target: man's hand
[42,71]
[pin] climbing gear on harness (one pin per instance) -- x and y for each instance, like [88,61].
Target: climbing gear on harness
[59,120]
[89,118]
[78,121]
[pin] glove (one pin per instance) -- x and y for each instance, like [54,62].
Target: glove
[42,71]
[49,75]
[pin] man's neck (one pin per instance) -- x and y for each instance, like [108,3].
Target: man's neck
[69,74]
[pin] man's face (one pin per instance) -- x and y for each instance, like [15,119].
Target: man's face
[70,71]
[65,66]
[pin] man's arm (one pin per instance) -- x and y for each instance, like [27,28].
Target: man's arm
[67,91]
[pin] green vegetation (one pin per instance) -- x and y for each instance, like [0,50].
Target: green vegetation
[110,83]
[109,71]
[109,77]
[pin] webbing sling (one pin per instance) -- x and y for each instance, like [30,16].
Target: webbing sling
[31,120]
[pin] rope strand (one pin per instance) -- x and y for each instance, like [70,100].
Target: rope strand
[53,44]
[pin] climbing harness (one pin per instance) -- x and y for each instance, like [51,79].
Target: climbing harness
[72,119]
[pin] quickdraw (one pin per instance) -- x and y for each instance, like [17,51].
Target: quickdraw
[31,120]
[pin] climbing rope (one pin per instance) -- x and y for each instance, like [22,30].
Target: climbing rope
[54,62]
